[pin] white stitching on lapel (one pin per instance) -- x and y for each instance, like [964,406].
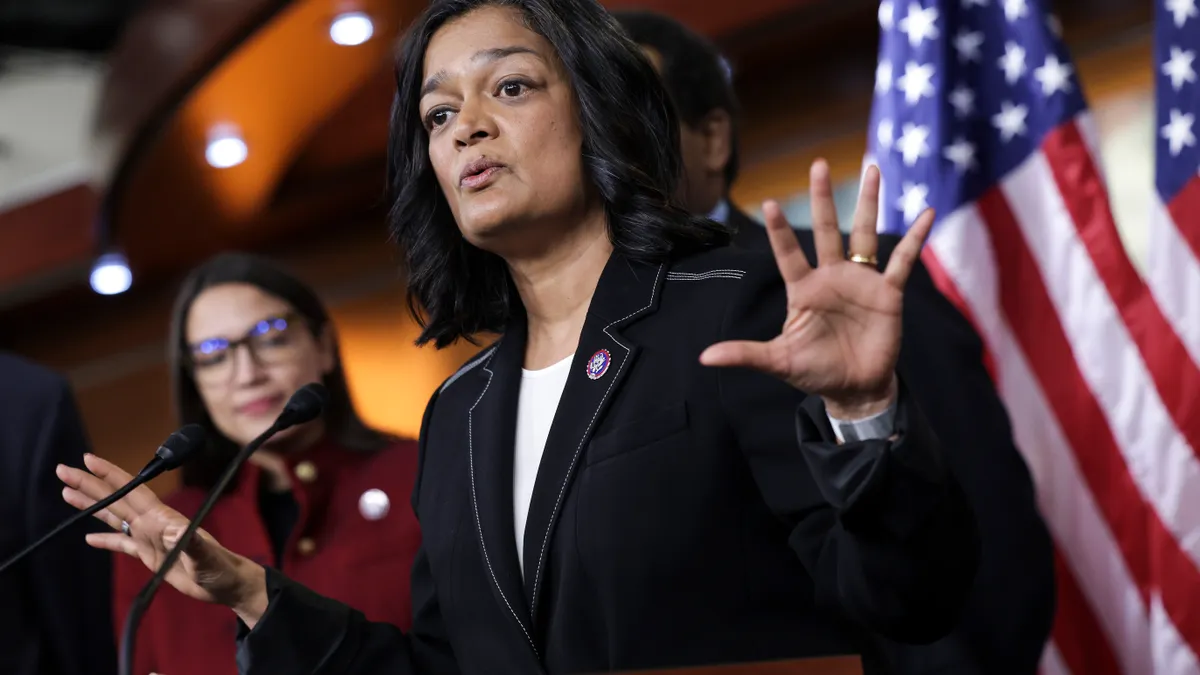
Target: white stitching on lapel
[537,577]
[674,273]
[475,500]
[487,353]
[702,276]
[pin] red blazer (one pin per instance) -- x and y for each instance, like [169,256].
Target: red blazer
[354,540]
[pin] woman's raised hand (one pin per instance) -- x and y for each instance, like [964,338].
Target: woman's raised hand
[841,338]
[206,571]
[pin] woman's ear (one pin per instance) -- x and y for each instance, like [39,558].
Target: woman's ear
[327,348]
[717,130]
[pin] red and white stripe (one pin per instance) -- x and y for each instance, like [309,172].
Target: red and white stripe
[1173,262]
[1101,384]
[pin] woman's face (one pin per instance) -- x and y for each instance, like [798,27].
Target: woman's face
[504,138]
[250,352]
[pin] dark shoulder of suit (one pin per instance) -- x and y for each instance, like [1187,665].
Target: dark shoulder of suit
[751,234]
[28,393]
[55,606]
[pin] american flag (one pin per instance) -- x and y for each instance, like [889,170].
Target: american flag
[978,113]
[1173,271]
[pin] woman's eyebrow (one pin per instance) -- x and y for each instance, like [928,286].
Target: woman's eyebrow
[439,78]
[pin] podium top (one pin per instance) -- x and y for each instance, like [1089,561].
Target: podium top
[835,665]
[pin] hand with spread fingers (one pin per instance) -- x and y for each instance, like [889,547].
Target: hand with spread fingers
[147,529]
[841,337]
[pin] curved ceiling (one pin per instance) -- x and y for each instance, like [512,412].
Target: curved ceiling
[313,115]
[277,91]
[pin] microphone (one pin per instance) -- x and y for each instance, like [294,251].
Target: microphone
[304,406]
[172,454]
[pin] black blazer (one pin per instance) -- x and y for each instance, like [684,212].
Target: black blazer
[55,607]
[1008,617]
[681,514]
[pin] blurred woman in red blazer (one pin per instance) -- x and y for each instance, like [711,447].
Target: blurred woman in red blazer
[328,503]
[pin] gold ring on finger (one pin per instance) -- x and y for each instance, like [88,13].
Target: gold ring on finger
[864,259]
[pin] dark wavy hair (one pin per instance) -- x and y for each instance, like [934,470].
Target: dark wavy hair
[630,154]
[341,419]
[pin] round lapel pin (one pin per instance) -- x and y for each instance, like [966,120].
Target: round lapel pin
[598,364]
[374,504]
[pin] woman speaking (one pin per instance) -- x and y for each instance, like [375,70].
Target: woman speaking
[645,470]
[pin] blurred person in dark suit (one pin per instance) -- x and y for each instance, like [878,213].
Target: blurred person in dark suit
[55,605]
[1009,617]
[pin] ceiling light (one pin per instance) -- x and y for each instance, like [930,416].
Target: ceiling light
[225,148]
[351,28]
[111,274]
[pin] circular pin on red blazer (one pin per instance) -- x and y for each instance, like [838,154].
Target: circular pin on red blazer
[374,504]
[598,364]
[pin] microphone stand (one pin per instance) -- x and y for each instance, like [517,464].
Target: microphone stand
[79,515]
[142,602]
[173,453]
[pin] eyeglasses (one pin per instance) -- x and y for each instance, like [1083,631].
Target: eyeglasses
[271,341]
